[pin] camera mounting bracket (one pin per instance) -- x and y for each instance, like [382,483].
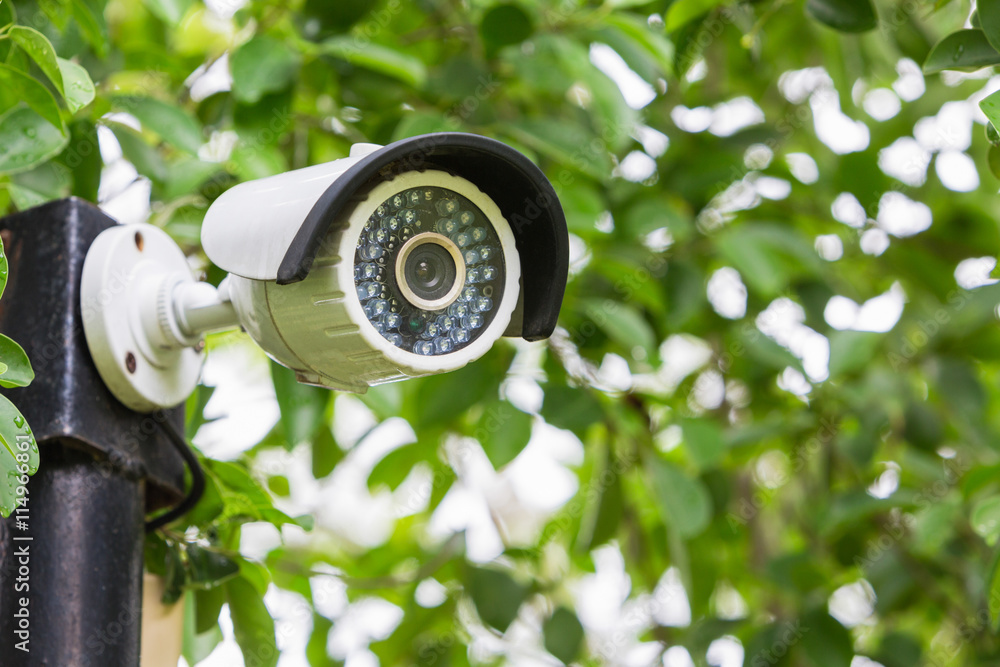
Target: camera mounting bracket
[144,315]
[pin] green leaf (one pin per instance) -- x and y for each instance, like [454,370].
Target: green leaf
[378,58]
[683,12]
[18,457]
[3,265]
[252,623]
[503,431]
[326,453]
[261,66]
[684,501]
[566,142]
[851,351]
[964,50]
[844,15]
[827,643]
[573,409]
[208,568]
[989,20]
[504,24]
[18,372]
[985,519]
[26,140]
[303,407]
[496,594]
[168,11]
[563,634]
[78,88]
[397,464]
[145,158]
[16,86]
[703,441]
[174,125]
[91,26]
[993,601]
[623,324]
[39,49]
[83,158]
[991,107]
[208,605]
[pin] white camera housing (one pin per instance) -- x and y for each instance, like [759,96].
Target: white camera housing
[292,245]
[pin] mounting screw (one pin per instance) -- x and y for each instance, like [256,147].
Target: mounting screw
[139,241]
[130,360]
[200,346]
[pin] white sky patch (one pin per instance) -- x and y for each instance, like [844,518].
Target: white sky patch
[862,661]
[225,8]
[975,272]
[951,128]
[727,293]
[758,156]
[783,320]
[957,171]
[636,167]
[735,115]
[772,188]
[803,167]
[673,609]
[878,314]
[887,483]
[839,132]
[219,146]
[726,651]
[794,382]
[635,90]
[430,593]
[874,242]
[205,82]
[697,72]
[677,656]
[798,85]
[830,247]
[841,313]
[709,390]
[658,240]
[579,254]
[853,604]
[906,160]
[901,216]
[599,596]
[693,120]
[910,85]
[728,603]
[654,142]
[881,104]
[847,209]
[682,355]
[366,620]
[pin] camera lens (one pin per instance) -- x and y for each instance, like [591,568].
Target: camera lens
[429,271]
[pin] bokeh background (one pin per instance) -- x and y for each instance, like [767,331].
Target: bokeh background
[766,430]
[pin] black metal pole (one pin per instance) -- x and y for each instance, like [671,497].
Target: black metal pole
[71,561]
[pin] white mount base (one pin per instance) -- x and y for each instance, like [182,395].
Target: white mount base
[128,280]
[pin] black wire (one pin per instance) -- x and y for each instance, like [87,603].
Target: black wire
[197,478]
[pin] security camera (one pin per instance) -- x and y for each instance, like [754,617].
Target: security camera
[397,261]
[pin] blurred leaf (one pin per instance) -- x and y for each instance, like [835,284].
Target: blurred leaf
[378,58]
[623,324]
[169,11]
[573,409]
[563,634]
[174,125]
[851,351]
[503,431]
[91,26]
[262,65]
[684,502]
[985,519]
[827,643]
[683,12]
[302,406]
[844,15]
[964,50]
[503,24]
[496,595]
[326,453]
[252,623]
[704,442]
[208,605]
[209,568]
